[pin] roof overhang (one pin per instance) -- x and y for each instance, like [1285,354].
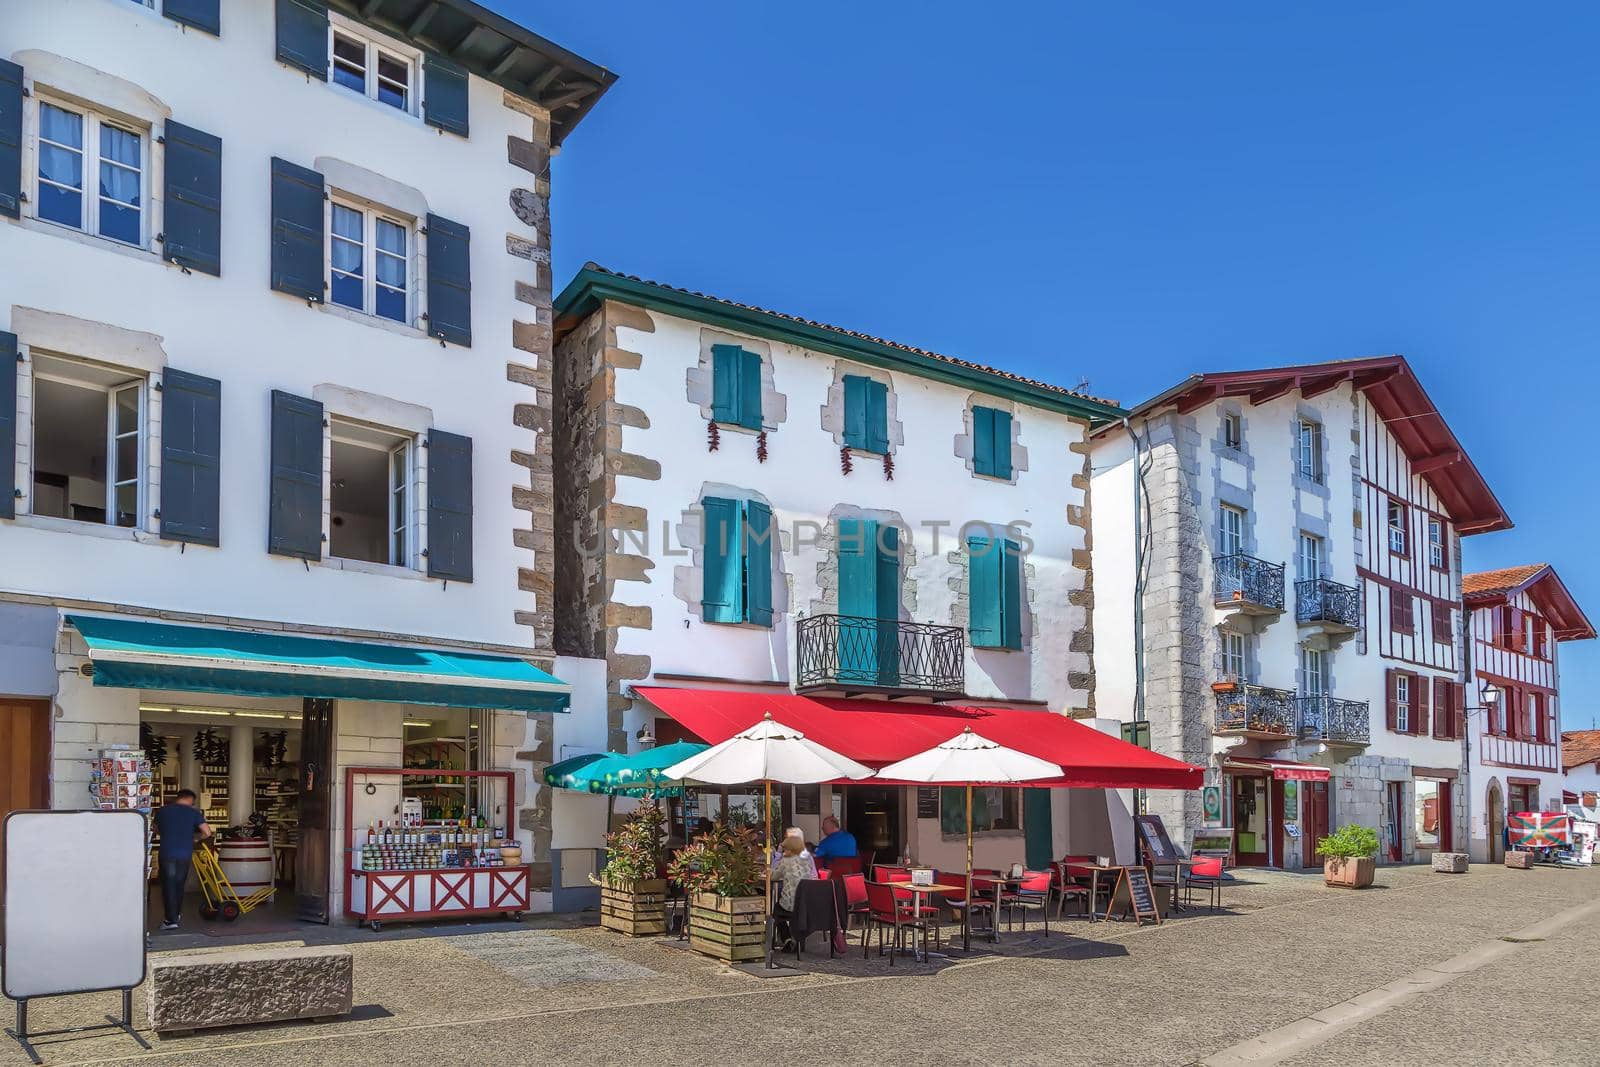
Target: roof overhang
[494,48]
[593,285]
[1545,587]
[1282,770]
[1396,396]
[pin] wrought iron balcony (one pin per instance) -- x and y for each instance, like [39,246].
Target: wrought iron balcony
[1249,585]
[1334,721]
[1254,710]
[855,654]
[1318,601]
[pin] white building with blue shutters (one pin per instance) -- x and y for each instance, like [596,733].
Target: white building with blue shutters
[754,504]
[275,463]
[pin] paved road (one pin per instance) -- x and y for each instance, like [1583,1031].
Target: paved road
[1413,971]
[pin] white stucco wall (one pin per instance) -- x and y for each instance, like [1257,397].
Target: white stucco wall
[234,328]
[802,481]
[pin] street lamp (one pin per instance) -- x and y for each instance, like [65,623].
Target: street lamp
[645,738]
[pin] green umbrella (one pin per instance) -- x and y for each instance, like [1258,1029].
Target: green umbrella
[644,769]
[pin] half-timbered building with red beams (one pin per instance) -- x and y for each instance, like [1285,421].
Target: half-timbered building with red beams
[1519,618]
[1277,591]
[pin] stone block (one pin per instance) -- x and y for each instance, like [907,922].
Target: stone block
[1450,862]
[249,987]
[1520,860]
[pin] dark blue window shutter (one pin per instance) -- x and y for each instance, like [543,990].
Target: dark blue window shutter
[193,236]
[303,36]
[9,369]
[449,281]
[749,390]
[191,458]
[10,139]
[449,506]
[877,417]
[201,14]
[720,599]
[983,592]
[444,95]
[758,550]
[1010,554]
[297,225]
[294,510]
[855,410]
[725,364]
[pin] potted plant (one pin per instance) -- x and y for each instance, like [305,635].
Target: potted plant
[722,875]
[1349,856]
[633,895]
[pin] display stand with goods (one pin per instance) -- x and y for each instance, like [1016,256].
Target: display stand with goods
[407,866]
[121,779]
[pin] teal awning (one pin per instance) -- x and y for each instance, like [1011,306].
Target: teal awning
[132,654]
[614,774]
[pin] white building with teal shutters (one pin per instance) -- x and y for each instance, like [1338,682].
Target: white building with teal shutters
[752,502]
[275,479]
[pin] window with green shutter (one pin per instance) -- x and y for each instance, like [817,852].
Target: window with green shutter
[991,442]
[737,567]
[994,594]
[735,386]
[866,414]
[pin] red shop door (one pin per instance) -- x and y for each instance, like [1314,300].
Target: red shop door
[1446,807]
[1314,819]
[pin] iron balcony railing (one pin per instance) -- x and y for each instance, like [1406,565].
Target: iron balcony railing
[1255,709]
[1326,718]
[852,652]
[1250,582]
[1321,600]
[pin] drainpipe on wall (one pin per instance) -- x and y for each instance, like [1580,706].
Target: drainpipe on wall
[1140,468]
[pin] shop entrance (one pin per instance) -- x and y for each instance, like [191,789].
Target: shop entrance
[1497,823]
[1393,828]
[1252,800]
[1314,823]
[872,814]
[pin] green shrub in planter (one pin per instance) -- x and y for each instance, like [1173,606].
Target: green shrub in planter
[1349,842]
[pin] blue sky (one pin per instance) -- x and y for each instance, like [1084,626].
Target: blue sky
[1131,192]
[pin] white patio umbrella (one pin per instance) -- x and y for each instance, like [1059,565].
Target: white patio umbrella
[968,759]
[767,752]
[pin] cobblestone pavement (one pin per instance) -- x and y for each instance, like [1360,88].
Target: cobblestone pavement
[1204,987]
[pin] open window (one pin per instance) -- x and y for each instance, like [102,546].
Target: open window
[371,489]
[88,442]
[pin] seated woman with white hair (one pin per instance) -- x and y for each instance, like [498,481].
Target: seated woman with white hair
[793,834]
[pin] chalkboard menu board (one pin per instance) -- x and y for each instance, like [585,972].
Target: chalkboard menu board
[1153,837]
[927,802]
[1141,895]
[807,799]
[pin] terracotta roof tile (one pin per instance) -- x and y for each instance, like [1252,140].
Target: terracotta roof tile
[1033,383]
[1579,747]
[1493,583]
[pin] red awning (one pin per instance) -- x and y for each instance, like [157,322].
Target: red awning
[878,732]
[1281,769]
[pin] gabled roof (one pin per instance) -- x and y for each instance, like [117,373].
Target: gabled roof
[1395,395]
[1579,747]
[1543,584]
[494,48]
[595,283]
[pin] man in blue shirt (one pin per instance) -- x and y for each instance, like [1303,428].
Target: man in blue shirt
[835,843]
[176,824]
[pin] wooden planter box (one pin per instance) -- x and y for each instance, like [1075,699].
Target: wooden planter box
[638,909]
[730,929]
[1349,873]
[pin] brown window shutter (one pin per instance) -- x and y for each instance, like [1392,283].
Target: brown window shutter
[1441,707]
[1419,705]
[1388,691]
[1515,641]
[1458,707]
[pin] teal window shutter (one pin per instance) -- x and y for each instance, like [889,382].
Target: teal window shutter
[983,593]
[725,362]
[858,572]
[720,597]
[877,418]
[886,549]
[1010,565]
[855,410]
[991,442]
[749,390]
[758,535]
[952,809]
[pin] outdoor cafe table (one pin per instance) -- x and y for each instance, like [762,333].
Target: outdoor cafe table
[917,893]
[1001,883]
[1094,871]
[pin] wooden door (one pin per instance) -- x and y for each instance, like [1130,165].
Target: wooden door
[1394,820]
[1444,817]
[313,875]
[1313,819]
[24,758]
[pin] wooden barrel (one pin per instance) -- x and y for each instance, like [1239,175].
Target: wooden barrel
[247,864]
